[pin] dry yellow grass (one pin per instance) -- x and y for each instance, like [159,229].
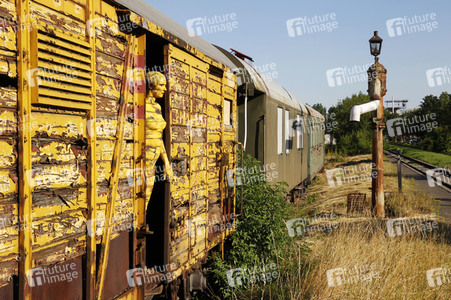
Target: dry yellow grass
[400,263]
[333,199]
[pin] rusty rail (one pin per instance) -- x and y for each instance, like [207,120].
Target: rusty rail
[405,160]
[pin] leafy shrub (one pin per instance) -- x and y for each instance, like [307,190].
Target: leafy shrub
[261,235]
[356,142]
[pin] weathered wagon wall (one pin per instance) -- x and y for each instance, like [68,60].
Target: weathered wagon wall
[202,149]
[60,135]
[316,145]
[9,245]
[202,134]
[8,185]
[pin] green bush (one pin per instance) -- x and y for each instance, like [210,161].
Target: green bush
[356,142]
[261,235]
[352,138]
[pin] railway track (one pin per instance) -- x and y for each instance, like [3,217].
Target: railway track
[440,176]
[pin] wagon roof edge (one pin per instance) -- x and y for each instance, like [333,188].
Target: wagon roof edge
[153,15]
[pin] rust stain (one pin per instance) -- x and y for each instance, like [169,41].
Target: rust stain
[83,168]
[111,45]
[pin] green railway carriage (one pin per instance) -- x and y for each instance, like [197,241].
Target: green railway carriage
[275,127]
[316,143]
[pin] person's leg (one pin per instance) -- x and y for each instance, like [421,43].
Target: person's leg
[152,155]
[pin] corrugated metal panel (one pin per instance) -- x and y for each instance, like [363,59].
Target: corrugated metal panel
[153,15]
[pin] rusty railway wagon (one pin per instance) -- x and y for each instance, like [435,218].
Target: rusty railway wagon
[74,218]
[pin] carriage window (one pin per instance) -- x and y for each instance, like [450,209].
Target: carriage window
[279,130]
[302,133]
[288,141]
[227,112]
[299,133]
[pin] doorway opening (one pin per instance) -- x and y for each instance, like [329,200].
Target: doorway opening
[157,211]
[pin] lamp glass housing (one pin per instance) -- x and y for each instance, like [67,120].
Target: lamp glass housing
[375,44]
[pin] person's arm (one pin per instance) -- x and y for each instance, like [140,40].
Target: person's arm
[167,165]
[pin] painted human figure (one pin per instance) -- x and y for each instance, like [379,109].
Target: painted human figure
[155,124]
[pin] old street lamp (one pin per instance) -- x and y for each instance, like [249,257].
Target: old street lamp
[376,90]
[375,45]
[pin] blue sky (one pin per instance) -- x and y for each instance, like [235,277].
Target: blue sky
[301,61]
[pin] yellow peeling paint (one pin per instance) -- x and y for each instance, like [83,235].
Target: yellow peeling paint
[66,190]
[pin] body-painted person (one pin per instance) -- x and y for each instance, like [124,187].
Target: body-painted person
[155,124]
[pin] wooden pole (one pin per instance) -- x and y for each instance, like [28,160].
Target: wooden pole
[399,171]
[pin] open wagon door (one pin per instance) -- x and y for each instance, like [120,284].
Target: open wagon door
[186,142]
[201,105]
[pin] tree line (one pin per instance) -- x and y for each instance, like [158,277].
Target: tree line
[415,126]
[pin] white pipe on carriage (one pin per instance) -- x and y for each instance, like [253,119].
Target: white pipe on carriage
[245,121]
[357,110]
